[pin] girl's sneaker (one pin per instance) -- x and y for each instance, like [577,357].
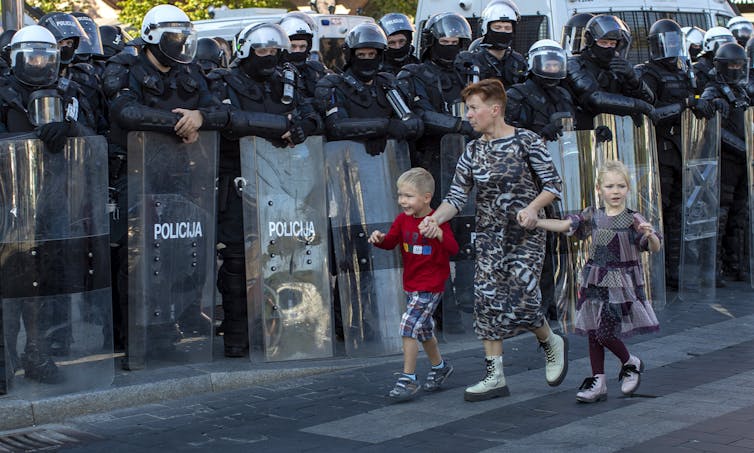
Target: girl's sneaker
[405,389]
[436,377]
[593,389]
[630,375]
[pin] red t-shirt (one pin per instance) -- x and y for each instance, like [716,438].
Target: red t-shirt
[426,262]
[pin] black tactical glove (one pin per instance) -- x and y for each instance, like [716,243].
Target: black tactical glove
[397,130]
[301,129]
[54,135]
[620,66]
[603,134]
[552,131]
[375,147]
[722,107]
[702,108]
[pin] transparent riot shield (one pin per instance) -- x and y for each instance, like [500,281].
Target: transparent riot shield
[701,202]
[637,149]
[54,268]
[458,299]
[171,249]
[749,123]
[287,249]
[572,154]
[362,198]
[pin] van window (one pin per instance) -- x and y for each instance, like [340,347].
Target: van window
[639,23]
[331,53]
[721,20]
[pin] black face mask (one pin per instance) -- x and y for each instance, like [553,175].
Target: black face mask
[66,54]
[543,82]
[259,68]
[498,39]
[365,69]
[161,57]
[602,54]
[397,55]
[444,55]
[295,57]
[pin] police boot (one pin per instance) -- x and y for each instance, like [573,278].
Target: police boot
[556,359]
[493,384]
[39,367]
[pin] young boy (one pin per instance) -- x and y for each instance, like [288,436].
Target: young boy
[426,266]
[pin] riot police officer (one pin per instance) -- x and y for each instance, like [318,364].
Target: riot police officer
[355,103]
[741,29]
[572,36]
[727,93]
[209,55]
[601,80]
[253,88]
[400,34]
[667,74]
[71,35]
[33,99]
[300,29]
[91,46]
[496,58]
[713,39]
[536,103]
[694,39]
[161,90]
[434,88]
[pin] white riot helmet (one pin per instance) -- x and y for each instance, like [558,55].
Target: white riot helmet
[499,11]
[260,36]
[694,37]
[34,56]
[170,30]
[715,37]
[741,28]
[547,59]
[297,23]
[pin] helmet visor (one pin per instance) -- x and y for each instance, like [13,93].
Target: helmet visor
[178,44]
[35,64]
[90,44]
[451,26]
[666,45]
[548,63]
[269,37]
[572,39]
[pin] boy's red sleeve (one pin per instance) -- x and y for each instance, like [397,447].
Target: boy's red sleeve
[393,237]
[449,242]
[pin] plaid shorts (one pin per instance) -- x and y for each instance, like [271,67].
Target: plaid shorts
[417,321]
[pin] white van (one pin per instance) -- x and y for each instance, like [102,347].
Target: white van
[541,19]
[327,46]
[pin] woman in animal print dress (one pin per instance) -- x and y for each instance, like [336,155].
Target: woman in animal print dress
[515,181]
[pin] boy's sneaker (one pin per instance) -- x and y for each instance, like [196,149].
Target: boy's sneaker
[405,389]
[437,376]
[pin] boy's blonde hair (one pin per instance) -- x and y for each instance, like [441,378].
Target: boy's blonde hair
[613,166]
[419,178]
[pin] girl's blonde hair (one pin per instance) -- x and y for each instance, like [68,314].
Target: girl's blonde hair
[613,166]
[419,178]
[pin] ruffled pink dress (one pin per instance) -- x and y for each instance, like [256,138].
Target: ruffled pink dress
[611,288]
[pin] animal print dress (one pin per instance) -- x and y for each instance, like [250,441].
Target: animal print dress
[508,257]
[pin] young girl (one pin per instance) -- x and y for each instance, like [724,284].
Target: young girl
[612,302]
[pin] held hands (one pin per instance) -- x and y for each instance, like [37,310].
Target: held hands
[54,135]
[429,228]
[188,126]
[376,237]
[527,218]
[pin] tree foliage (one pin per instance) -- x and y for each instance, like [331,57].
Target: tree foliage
[133,11]
[378,8]
[49,6]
